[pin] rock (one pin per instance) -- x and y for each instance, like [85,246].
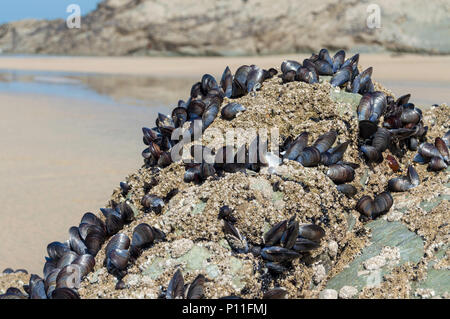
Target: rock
[328,294]
[347,292]
[332,249]
[402,246]
[374,263]
[424,293]
[319,274]
[180,247]
[235,27]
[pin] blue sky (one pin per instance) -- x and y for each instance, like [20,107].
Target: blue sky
[11,10]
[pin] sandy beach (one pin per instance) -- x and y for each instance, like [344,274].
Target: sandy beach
[427,78]
[62,157]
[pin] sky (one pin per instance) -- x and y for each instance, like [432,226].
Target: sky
[12,10]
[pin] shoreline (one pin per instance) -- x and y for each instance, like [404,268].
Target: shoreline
[425,77]
[423,67]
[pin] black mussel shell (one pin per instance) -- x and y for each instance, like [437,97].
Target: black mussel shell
[324,141]
[399,184]
[289,76]
[290,235]
[179,116]
[143,236]
[37,288]
[311,232]
[365,206]
[195,290]
[208,83]
[113,224]
[334,155]
[276,267]
[196,90]
[338,60]
[254,79]
[442,148]
[446,138]
[94,239]
[126,212]
[125,188]
[304,245]
[296,147]
[367,129]
[381,204]
[274,234]
[323,67]
[230,110]
[428,150]
[56,250]
[196,109]
[275,293]
[117,260]
[118,241]
[65,293]
[410,116]
[371,153]
[175,290]
[437,164]
[227,82]
[86,263]
[152,202]
[69,277]
[340,173]
[67,259]
[342,76]
[226,213]
[290,65]
[347,189]
[279,254]
[381,139]
[210,114]
[310,156]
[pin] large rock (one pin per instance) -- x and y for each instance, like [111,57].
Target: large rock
[235,27]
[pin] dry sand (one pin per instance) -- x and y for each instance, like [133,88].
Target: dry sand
[61,158]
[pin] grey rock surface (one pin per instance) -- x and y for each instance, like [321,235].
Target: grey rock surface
[236,27]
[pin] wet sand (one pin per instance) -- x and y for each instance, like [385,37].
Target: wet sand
[62,157]
[427,78]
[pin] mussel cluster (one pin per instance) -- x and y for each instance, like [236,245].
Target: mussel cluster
[252,156]
[283,243]
[322,152]
[404,183]
[204,104]
[178,290]
[402,126]
[69,262]
[287,240]
[401,129]
[12,271]
[437,155]
[120,251]
[344,73]
[373,208]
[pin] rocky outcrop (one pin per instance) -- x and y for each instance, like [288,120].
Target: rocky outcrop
[236,27]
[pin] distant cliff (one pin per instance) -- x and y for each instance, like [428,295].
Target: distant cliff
[236,27]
